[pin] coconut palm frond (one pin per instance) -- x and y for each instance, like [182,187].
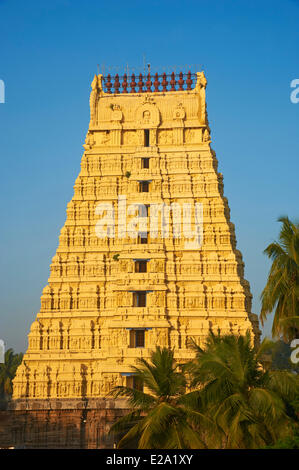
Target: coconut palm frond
[281,293]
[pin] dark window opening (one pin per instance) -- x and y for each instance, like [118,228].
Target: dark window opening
[146,137]
[145,162]
[135,382]
[137,338]
[140,266]
[139,299]
[143,186]
[142,238]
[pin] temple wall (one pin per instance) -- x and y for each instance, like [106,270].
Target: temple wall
[76,424]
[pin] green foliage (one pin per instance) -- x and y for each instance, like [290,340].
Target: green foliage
[233,402]
[163,417]
[289,442]
[281,293]
[128,174]
[7,372]
[116,257]
[248,403]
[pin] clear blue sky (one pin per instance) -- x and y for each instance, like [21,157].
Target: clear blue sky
[49,54]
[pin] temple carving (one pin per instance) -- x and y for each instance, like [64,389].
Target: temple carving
[123,280]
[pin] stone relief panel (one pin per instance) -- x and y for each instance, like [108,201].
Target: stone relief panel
[193,136]
[165,137]
[130,138]
[102,138]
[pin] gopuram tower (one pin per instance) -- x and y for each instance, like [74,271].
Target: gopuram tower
[147,255]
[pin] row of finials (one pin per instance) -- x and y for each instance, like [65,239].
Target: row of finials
[172,82]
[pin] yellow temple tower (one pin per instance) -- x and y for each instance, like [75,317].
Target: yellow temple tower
[147,255]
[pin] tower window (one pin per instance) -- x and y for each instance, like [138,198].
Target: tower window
[145,162]
[141,266]
[137,338]
[134,382]
[146,137]
[142,238]
[143,186]
[139,299]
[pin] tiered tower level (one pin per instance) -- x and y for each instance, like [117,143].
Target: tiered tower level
[111,300]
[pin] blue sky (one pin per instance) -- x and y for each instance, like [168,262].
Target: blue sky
[49,52]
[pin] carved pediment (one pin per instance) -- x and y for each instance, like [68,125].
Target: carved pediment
[147,114]
[116,114]
[179,112]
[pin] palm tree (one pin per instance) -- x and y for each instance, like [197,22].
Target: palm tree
[281,293]
[8,371]
[250,406]
[165,417]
